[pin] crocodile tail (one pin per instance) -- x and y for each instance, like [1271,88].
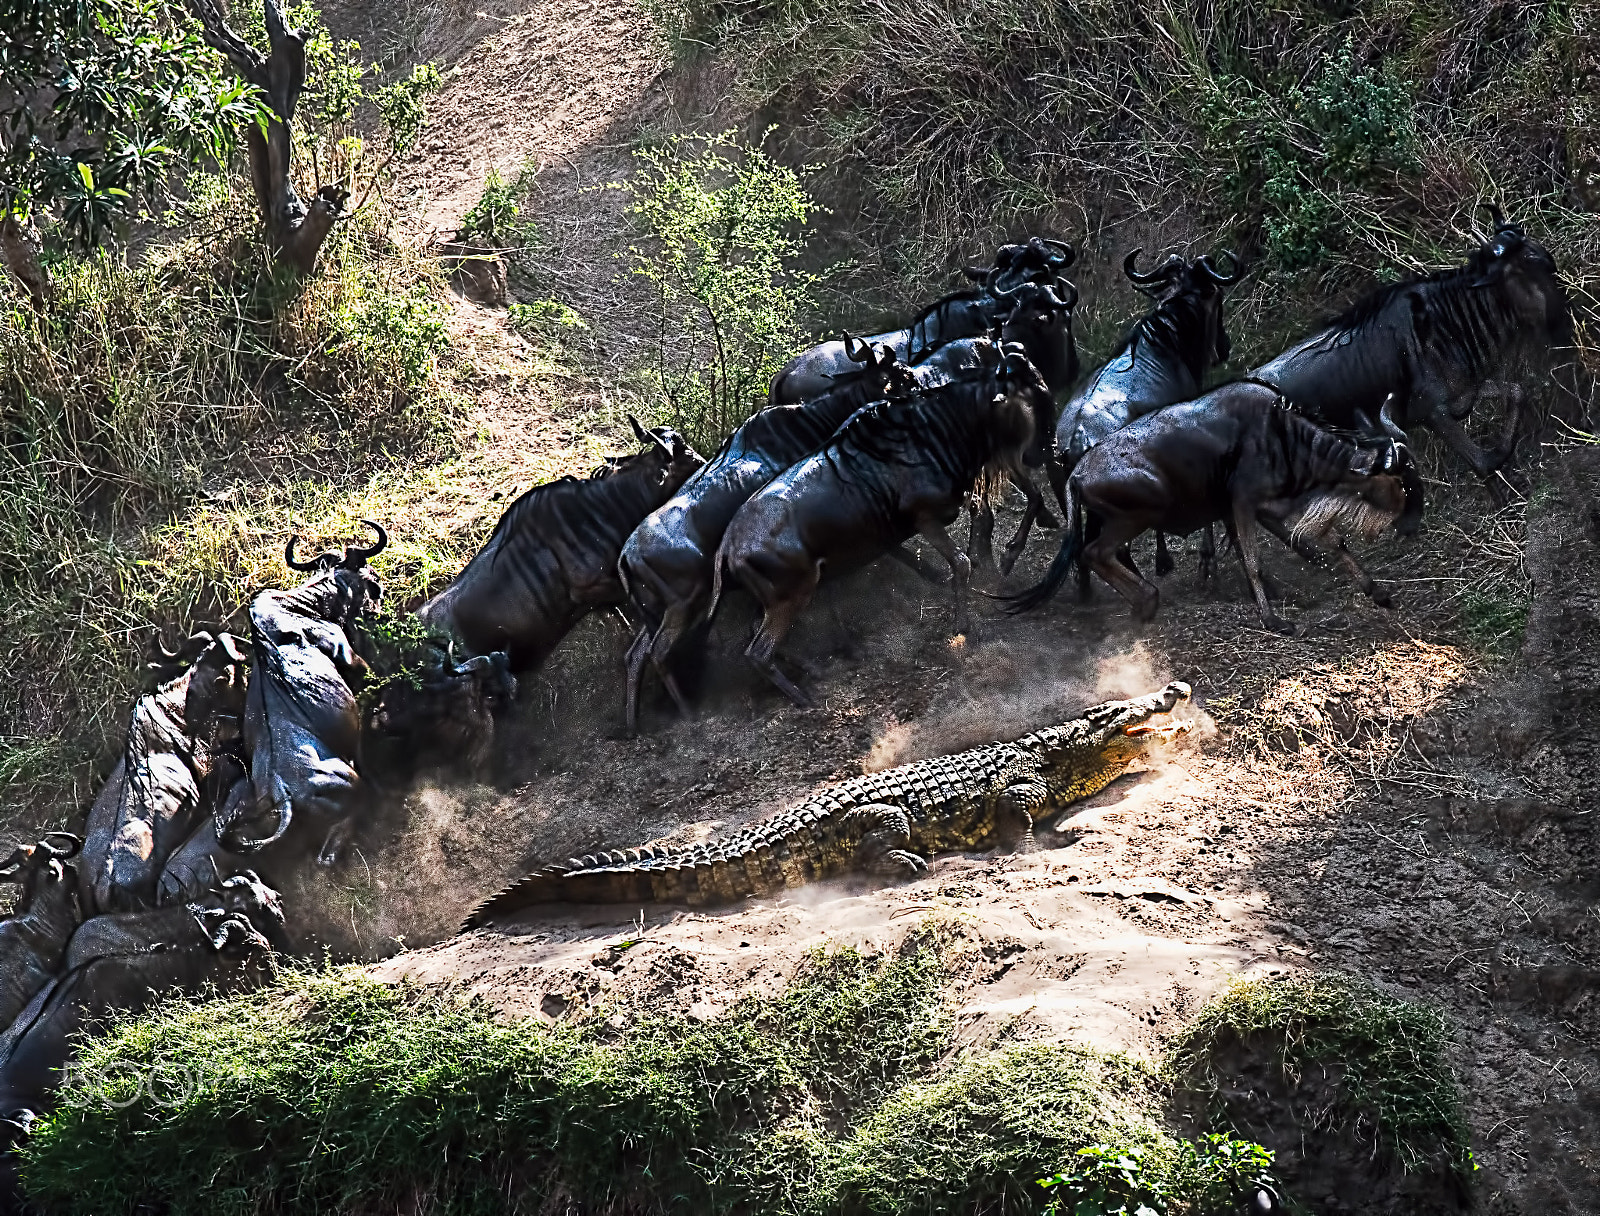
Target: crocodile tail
[691,877]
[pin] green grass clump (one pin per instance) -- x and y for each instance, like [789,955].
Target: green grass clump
[843,1095]
[1390,1054]
[332,1093]
[1494,623]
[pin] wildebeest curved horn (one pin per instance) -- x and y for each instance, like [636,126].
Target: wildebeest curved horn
[1003,294]
[1065,252]
[1064,294]
[639,433]
[1391,428]
[289,559]
[1135,276]
[72,848]
[254,844]
[1494,213]
[858,351]
[159,651]
[355,558]
[979,274]
[1216,276]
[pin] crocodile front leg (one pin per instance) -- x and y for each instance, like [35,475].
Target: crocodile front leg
[1015,810]
[886,831]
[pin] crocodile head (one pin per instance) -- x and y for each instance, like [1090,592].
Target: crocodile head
[1085,755]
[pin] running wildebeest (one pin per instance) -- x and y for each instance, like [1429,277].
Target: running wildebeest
[971,313]
[302,726]
[1164,360]
[895,470]
[1440,344]
[442,716]
[552,558]
[47,913]
[176,739]
[1238,456]
[666,566]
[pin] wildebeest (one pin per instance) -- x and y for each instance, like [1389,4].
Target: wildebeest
[1440,344]
[121,963]
[46,913]
[970,313]
[552,558]
[666,566]
[1236,455]
[897,469]
[1163,360]
[301,725]
[443,715]
[175,738]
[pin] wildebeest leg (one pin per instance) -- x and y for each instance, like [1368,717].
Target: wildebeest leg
[913,562]
[1244,525]
[676,622]
[980,532]
[1104,555]
[638,655]
[1036,512]
[1164,563]
[1208,555]
[1317,555]
[777,619]
[1058,483]
[960,567]
[1483,463]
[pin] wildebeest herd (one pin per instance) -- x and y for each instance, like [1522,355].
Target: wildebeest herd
[251,755]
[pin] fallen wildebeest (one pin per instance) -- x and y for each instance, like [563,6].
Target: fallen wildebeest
[666,566]
[1236,455]
[47,912]
[119,964]
[1164,360]
[1439,344]
[302,726]
[175,739]
[971,313]
[895,470]
[552,558]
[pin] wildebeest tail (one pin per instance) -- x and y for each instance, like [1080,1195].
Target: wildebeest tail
[1066,557]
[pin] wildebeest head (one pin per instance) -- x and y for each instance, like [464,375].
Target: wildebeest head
[1196,287]
[1022,399]
[216,685]
[1040,319]
[1382,487]
[886,373]
[667,457]
[355,588]
[1038,260]
[27,862]
[245,892]
[1525,272]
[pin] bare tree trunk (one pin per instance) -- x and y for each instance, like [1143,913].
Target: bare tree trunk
[19,253]
[296,230]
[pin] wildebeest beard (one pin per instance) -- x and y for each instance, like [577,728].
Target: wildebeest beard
[1344,512]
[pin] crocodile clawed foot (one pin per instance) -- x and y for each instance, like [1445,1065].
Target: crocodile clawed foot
[901,863]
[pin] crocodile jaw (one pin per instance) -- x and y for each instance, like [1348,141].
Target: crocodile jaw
[1084,756]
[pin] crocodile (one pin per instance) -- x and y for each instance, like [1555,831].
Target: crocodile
[886,822]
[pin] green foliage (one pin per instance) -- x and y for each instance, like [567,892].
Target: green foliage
[1293,146]
[102,101]
[1207,1176]
[545,319]
[496,218]
[1494,622]
[1391,1054]
[725,228]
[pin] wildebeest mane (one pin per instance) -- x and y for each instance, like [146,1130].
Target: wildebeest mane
[551,498]
[928,424]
